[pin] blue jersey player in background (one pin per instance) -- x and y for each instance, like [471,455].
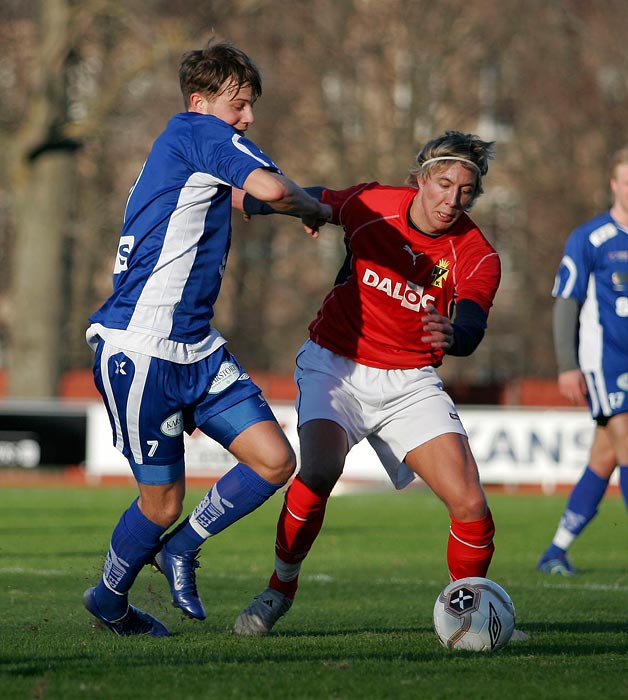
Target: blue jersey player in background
[159,365]
[591,341]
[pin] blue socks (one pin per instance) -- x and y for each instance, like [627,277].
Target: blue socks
[133,543]
[239,492]
[135,538]
[584,500]
[580,510]
[623,482]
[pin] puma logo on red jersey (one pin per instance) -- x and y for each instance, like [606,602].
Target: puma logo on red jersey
[412,253]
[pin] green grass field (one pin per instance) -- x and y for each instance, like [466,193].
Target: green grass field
[360,627]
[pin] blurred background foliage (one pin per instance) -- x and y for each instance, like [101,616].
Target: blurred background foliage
[352,89]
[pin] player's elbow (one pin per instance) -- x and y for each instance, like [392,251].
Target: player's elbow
[277,193]
[273,191]
[267,187]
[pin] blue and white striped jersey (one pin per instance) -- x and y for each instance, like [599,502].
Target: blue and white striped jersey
[175,240]
[594,271]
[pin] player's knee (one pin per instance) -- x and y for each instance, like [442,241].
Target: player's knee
[167,516]
[320,480]
[471,506]
[164,512]
[320,484]
[172,511]
[278,467]
[286,467]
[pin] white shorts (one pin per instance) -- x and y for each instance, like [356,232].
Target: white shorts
[396,410]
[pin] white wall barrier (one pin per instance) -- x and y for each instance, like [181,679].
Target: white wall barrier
[513,446]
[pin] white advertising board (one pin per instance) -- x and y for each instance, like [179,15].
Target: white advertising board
[512,446]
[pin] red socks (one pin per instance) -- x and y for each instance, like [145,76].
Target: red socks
[299,523]
[470,547]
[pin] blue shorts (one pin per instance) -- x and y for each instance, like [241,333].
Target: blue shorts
[151,402]
[607,394]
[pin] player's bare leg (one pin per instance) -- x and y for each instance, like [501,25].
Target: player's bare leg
[447,466]
[324,448]
[266,461]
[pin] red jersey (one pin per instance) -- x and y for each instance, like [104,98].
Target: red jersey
[373,315]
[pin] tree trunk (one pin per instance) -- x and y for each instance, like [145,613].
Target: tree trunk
[43,189]
[39,269]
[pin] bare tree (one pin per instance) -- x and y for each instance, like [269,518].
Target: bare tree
[43,181]
[63,171]
[351,91]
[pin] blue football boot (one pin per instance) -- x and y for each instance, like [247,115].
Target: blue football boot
[180,572]
[554,561]
[134,621]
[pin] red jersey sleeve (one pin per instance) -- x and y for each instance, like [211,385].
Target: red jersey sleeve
[478,271]
[337,199]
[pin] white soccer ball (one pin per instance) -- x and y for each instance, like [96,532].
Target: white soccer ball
[475,614]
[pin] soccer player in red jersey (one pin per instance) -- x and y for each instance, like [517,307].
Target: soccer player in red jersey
[418,283]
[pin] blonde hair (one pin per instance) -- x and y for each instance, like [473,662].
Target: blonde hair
[452,145]
[620,158]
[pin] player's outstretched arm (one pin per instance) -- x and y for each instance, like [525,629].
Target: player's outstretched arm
[284,197]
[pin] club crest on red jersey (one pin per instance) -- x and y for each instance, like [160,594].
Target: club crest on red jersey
[440,273]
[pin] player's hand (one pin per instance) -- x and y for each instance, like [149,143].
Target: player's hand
[313,222]
[573,387]
[439,329]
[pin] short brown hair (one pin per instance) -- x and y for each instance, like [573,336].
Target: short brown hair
[207,70]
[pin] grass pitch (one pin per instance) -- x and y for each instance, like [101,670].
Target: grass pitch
[360,626]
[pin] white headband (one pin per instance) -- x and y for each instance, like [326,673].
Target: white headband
[462,160]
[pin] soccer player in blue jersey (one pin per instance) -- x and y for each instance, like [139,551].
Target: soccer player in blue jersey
[591,342]
[160,366]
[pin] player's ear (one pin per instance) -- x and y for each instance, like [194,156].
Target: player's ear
[198,103]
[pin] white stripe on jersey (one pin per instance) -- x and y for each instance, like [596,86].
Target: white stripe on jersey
[590,346]
[570,282]
[163,290]
[133,186]
[236,140]
[374,221]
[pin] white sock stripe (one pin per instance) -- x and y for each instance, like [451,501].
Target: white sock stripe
[123,593]
[286,572]
[198,528]
[468,544]
[563,538]
[296,517]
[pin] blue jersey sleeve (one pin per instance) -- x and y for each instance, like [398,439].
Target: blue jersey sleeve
[572,275]
[224,153]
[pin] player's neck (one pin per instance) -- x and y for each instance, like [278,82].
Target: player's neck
[620,215]
[413,225]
